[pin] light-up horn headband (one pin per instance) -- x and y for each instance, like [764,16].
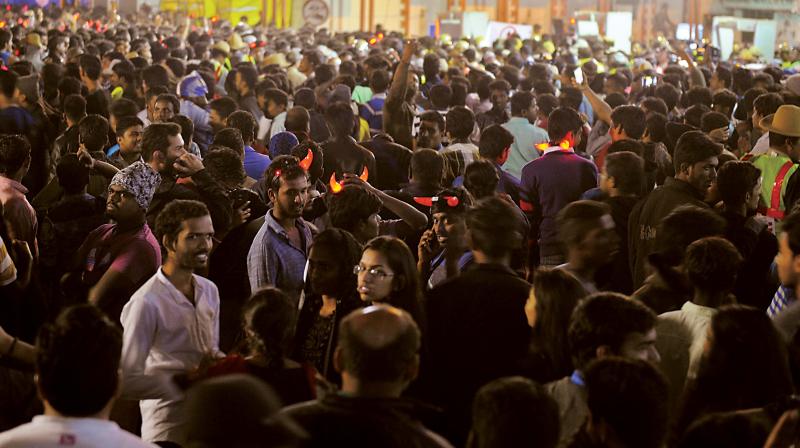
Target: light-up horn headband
[452,201]
[337,186]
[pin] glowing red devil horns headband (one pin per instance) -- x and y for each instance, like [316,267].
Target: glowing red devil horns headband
[305,164]
[452,201]
[337,186]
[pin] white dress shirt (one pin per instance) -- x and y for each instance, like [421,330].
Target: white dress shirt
[142,115]
[762,145]
[278,124]
[681,340]
[50,431]
[164,334]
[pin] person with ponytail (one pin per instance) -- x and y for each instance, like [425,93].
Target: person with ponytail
[267,322]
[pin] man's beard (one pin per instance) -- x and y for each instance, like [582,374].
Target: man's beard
[169,170]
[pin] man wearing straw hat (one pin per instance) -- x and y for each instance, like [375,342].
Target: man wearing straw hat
[779,187]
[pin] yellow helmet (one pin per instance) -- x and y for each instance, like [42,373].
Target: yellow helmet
[236,42]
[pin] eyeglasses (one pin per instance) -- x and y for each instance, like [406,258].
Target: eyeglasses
[374,272]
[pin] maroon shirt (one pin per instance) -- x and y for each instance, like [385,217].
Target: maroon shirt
[135,254]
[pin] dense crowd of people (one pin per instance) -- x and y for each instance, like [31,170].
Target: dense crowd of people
[220,235]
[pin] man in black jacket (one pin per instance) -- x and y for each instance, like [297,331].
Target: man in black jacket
[695,161]
[163,150]
[378,356]
[477,330]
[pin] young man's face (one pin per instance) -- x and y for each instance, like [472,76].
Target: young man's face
[447,225]
[163,111]
[641,346]
[601,244]
[121,205]
[788,264]
[216,122]
[499,99]
[702,174]
[274,109]
[429,135]
[756,119]
[130,140]
[193,243]
[241,86]
[291,197]
[116,81]
[170,155]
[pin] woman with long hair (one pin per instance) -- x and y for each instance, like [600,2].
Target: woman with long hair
[745,365]
[267,321]
[387,273]
[330,296]
[554,295]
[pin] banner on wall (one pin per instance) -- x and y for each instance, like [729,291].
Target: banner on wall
[619,28]
[501,30]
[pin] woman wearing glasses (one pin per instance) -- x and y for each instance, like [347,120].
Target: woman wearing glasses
[387,273]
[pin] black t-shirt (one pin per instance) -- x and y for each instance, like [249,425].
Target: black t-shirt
[97,103]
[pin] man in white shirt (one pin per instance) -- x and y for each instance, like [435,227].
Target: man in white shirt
[171,324]
[763,106]
[77,368]
[711,265]
[274,103]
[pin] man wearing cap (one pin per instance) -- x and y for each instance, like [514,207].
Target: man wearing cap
[780,189]
[116,259]
[222,65]
[192,91]
[33,50]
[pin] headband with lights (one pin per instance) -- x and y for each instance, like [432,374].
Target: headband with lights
[338,186]
[451,201]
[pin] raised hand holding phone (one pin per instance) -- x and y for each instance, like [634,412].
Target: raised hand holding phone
[577,74]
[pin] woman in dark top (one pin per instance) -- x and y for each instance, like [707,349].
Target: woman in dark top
[554,295]
[330,296]
[267,324]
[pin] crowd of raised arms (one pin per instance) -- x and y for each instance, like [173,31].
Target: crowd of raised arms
[220,235]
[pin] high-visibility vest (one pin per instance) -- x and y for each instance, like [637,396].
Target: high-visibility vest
[775,170]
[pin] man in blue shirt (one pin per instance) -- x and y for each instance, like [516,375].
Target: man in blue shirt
[526,135]
[255,164]
[280,249]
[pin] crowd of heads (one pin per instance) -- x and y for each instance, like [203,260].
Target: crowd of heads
[283,237]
